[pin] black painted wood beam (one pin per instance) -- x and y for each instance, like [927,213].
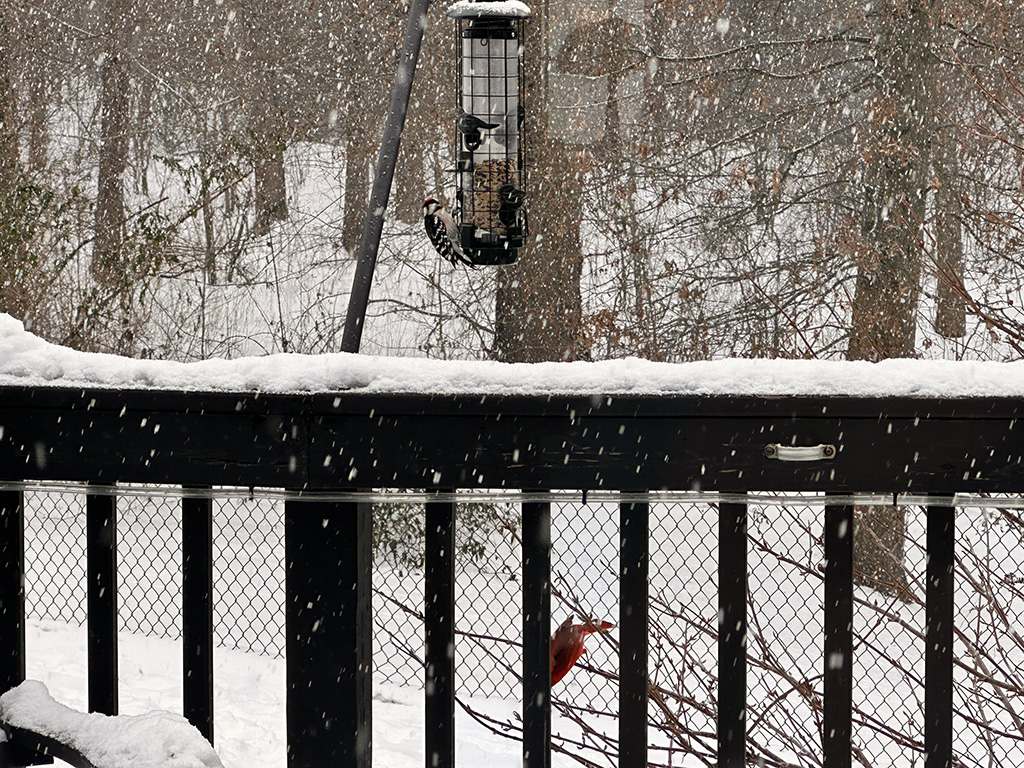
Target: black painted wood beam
[837,730]
[536,635]
[329,633]
[888,445]
[197,612]
[12,589]
[101,599]
[634,561]
[732,635]
[439,631]
[938,655]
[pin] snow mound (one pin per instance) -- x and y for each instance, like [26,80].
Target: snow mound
[509,9]
[154,740]
[26,360]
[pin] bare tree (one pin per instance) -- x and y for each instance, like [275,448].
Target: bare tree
[108,263]
[271,199]
[884,316]
[539,311]
[8,105]
[889,261]
[947,244]
[12,236]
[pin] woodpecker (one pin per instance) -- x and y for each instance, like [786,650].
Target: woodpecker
[442,232]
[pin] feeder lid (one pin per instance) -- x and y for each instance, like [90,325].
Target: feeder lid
[502,9]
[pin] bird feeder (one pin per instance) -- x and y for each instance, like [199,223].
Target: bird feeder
[490,129]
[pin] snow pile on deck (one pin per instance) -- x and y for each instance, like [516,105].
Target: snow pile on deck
[154,740]
[509,9]
[26,360]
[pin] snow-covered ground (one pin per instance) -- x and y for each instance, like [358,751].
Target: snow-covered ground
[249,700]
[785,612]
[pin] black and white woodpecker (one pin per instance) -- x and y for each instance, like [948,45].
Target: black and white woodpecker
[442,232]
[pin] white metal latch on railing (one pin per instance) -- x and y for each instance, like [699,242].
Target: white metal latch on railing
[799,452]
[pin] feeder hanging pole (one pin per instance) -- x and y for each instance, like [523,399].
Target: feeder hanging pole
[373,225]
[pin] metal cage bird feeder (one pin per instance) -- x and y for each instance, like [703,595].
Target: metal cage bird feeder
[490,129]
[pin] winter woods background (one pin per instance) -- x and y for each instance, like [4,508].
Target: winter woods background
[731,178]
[798,179]
[787,179]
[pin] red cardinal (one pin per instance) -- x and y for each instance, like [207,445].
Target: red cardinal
[567,645]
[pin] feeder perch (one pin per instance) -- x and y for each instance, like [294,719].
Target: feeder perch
[490,129]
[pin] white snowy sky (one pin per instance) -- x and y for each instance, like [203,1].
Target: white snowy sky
[26,360]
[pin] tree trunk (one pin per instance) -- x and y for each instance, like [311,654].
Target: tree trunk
[656,116]
[879,542]
[884,312]
[8,109]
[271,193]
[209,237]
[538,306]
[359,158]
[38,134]
[12,245]
[108,265]
[538,310]
[143,139]
[419,140]
[268,173]
[950,308]
[410,181]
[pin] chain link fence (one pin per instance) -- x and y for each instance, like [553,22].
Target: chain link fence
[248,566]
[784,639]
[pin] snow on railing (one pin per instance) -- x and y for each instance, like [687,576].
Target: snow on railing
[32,720]
[26,360]
[334,426]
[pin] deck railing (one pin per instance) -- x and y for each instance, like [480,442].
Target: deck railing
[322,449]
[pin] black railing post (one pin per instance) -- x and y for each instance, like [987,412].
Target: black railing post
[536,634]
[12,617]
[329,633]
[634,538]
[12,589]
[439,610]
[732,634]
[837,728]
[197,612]
[938,655]
[101,599]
